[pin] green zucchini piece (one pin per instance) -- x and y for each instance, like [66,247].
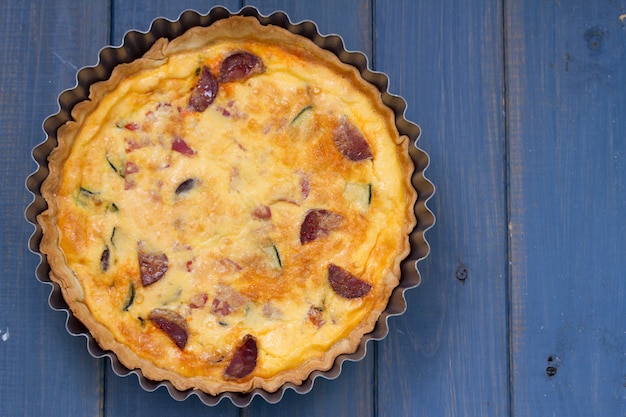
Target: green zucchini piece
[359,195]
[116,165]
[273,256]
[113,208]
[300,113]
[113,236]
[131,297]
[86,192]
[171,298]
[86,197]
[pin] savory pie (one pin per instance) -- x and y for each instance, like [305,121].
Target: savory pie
[229,211]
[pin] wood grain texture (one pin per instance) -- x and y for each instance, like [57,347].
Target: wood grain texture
[567,139]
[446,59]
[44,370]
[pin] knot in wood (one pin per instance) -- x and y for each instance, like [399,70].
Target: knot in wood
[461,272]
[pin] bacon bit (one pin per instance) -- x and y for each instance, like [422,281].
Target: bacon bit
[130,168]
[189,266]
[221,307]
[315,316]
[132,144]
[231,111]
[271,311]
[179,145]
[131,126]
[199,300]
[227,301]
[305,186]
[226,264]
[262,212]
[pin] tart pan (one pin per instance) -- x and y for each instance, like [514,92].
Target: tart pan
[134,45]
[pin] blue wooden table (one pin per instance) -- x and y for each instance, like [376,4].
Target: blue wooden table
[521,311]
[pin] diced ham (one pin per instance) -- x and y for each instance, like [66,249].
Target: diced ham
[228,265]
[305,186]
[199,300]
[179,145]
[131,126]
[315,316]
[227,301]
[134,144]
[262,212]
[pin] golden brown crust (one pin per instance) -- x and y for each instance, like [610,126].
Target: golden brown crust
[64,228]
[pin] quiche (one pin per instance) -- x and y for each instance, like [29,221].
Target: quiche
[229,211]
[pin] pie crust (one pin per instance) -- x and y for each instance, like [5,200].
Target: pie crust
[230,211]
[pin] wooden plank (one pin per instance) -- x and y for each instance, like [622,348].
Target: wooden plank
[44,370]
[567,140]
[352,393]
[447,356]
[350,19]
[138,14]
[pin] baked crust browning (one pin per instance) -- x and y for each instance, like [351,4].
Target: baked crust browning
[229,212]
